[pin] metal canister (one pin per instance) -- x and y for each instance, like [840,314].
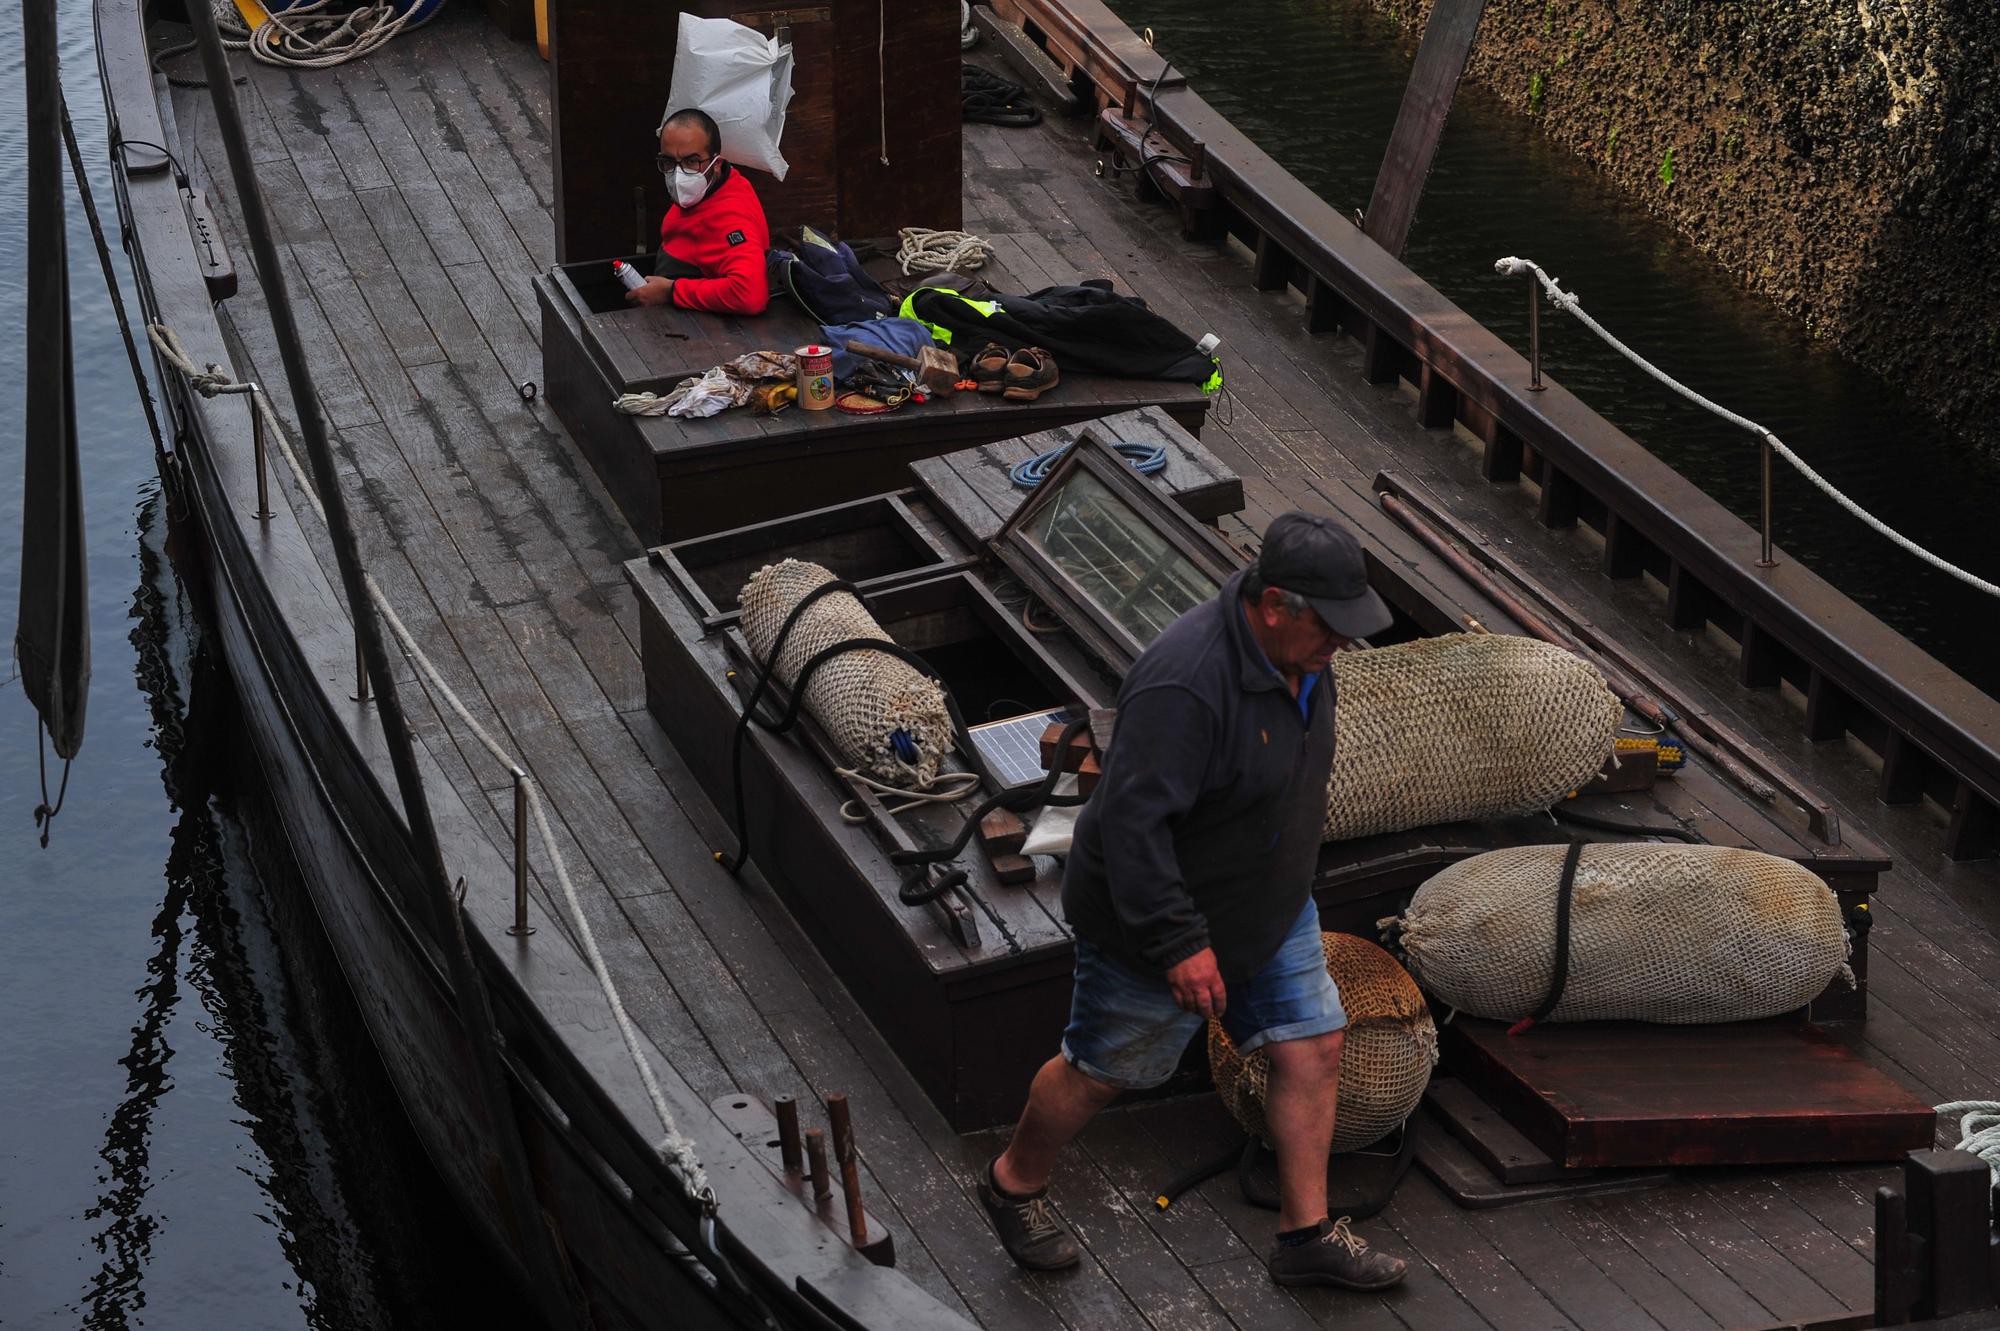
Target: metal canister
[815,377]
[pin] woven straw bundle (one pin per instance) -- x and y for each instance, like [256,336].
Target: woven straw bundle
[859,698]
[1463,726]
[1679,934]
[1384,1066]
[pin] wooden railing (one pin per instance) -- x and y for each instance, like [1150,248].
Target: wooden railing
[1937,734]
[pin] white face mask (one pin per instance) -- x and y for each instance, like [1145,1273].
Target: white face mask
[691,186]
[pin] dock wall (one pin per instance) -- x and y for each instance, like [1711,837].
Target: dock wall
[1837,155]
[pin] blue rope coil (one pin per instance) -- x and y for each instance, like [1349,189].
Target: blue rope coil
[1145,459]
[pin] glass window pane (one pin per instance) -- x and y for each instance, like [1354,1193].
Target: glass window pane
[1116,559]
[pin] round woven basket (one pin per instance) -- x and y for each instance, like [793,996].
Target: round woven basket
[1384,1065]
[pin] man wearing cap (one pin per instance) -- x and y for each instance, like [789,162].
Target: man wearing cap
[1189,890]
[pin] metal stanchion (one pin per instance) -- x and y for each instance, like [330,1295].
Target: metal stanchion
[520,928]
[1535,384]
[1764,503]
[263,513]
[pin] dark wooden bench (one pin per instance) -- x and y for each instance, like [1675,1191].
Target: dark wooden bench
[677,478]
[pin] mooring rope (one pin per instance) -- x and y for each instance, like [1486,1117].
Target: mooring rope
[1563,300]
[304,36]
[926,251]
[676,1150]
[1978,1130]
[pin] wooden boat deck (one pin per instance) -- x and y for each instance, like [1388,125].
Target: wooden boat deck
[413,194]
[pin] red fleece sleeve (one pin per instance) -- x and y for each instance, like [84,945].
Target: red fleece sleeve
[741,281]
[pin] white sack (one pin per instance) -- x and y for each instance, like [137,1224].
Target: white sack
[742,79]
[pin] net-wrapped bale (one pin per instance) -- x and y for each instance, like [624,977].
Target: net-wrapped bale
[1384,1065]
[860,698]
[1463,726]
[1676,934]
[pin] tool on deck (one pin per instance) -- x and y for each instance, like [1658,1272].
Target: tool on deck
[937,371]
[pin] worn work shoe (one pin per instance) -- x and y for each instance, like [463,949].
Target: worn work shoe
[988,370]
[1030,373]
[1028,1228]
[1338,1256]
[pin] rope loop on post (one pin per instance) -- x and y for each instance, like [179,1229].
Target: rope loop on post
[1978,1130]
[1568,303]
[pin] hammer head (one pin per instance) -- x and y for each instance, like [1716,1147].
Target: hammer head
[937,371]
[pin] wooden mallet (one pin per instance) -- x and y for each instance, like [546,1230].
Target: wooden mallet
[937,370]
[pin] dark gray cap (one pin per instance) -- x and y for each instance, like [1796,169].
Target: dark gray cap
[1318,558]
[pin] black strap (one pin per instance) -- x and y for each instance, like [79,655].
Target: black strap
[1559,977]
[1018,801]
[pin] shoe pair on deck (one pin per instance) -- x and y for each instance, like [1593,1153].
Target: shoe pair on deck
[1019,376]
[1035,1238]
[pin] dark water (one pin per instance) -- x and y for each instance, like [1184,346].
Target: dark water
[191,1130]
[1317,82]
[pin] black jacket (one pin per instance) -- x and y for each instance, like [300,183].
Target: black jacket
[1087,327]
[1205,828]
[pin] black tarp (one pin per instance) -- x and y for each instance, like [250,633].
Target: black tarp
[52,640]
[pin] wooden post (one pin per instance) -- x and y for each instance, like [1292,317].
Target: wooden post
[850,1166]
[787,1110]
[816,1160]
[1427,99]
[1893,1276]
[1949,1199]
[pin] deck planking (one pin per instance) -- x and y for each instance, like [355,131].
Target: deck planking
[412,193]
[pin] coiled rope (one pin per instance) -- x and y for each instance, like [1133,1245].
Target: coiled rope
[1978,1130]
[306,36]
[925,251]
[676,1150]
[1145,459]
[1563,300]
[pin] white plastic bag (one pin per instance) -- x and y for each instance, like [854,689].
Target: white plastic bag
[742,79]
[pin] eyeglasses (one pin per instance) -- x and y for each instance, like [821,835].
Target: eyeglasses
[692,162]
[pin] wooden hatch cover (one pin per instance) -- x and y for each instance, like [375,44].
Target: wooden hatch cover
[1631,1094]
[1109,553]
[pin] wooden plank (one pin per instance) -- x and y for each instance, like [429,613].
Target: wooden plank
[1427,100]
[1688,1264]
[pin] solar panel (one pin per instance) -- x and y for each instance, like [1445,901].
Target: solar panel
[1012,747]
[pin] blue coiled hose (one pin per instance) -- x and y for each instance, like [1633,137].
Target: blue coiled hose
[1145,459]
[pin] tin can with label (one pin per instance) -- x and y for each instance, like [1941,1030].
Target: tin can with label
[815,377]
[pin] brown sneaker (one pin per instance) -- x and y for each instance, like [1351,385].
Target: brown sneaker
[1028,1227]
[1338,1256]
[1030,373]
[988,369]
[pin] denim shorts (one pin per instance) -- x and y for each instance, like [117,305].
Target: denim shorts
[1125,1029]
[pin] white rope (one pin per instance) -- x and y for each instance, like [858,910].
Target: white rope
[1563,300]
[948,788]
[675,1149]
[1978,1130]
[882,70]
[926,251]
[305,36]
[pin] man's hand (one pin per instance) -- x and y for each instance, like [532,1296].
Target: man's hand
[657,291]
[1197,984]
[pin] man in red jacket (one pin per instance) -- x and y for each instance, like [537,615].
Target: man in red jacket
[714,238]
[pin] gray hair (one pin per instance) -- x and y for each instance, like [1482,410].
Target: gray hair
[1253,590]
